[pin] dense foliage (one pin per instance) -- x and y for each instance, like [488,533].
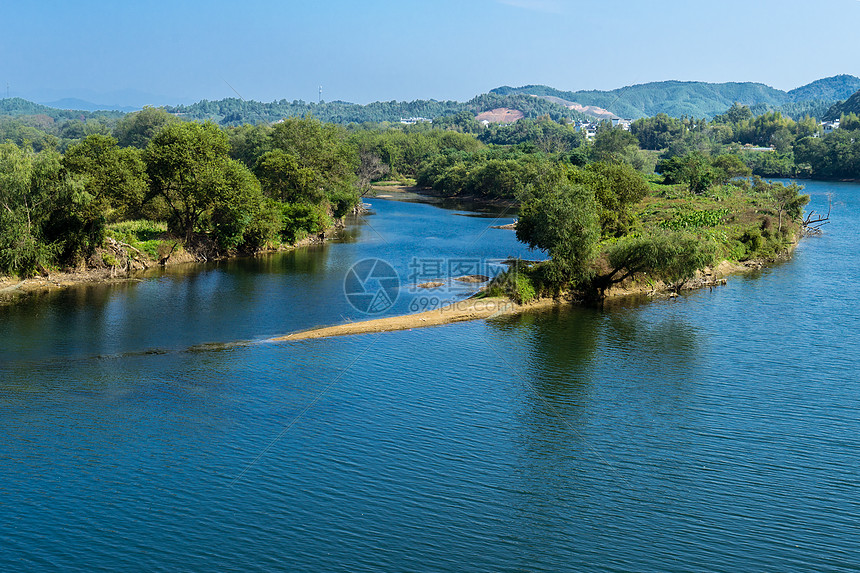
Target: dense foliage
[16,106]
[851,105]
[57,209]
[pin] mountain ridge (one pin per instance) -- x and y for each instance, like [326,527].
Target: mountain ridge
[851,105]
[77,104]
[694,98]
[673,97]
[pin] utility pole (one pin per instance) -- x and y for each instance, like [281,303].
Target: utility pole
[320,100]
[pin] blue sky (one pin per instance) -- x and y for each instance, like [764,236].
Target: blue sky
[410,49]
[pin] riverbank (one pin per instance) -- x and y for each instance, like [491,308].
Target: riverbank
[12,288]
[434,197]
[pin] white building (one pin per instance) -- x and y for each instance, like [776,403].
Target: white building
[830,126]
[414,120]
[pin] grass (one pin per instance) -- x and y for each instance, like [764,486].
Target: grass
[404,181]
[143,235]
[514,283]
[739,221]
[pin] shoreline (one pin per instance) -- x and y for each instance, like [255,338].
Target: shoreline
[433,197]
[460,311]
[485,308]
[12,289]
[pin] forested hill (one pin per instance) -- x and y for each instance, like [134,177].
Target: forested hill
[233,111]
[674,98]
[16,107]
[701,99]
[852,105]
[833,88]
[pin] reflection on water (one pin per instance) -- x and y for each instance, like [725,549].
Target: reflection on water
[716,431]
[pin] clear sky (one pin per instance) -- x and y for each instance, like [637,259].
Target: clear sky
[370,50]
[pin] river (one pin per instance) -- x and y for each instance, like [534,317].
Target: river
[151,426]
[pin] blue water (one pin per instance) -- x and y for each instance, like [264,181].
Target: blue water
[714,432]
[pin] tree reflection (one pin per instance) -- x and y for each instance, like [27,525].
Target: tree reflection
[599,386]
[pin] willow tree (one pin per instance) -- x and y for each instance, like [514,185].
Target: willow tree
[672,257]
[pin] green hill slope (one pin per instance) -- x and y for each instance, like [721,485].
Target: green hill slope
[698,99]
[16,107]
[833,88]
[234,111]
[851,105]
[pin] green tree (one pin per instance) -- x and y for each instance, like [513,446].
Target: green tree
[138,128]
[113,176]
[735,114]
[45,213]
[727,167]
[657,132]
[464,122]
[249,142]
[323,162]
[670,256]
[616,187]
[21,212]
[562,219]
[284,179]
[806,127]
[849,121]
[205,190]
[782,139]
[693,170]
[236,203]
[614,145]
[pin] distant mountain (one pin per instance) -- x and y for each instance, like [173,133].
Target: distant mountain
[833,88]
[71,103]
[675,98]
[16,106]
[233,111]
[696,99]
[116,99]
[851,105]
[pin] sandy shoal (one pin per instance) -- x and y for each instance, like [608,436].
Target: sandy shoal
[470,309]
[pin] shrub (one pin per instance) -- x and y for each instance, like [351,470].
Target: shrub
[301,220]
[515,283]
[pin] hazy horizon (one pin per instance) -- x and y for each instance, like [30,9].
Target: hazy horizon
[382,50]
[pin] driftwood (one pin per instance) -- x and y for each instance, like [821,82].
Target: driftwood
[123,249]
[812,224]
[163,260]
